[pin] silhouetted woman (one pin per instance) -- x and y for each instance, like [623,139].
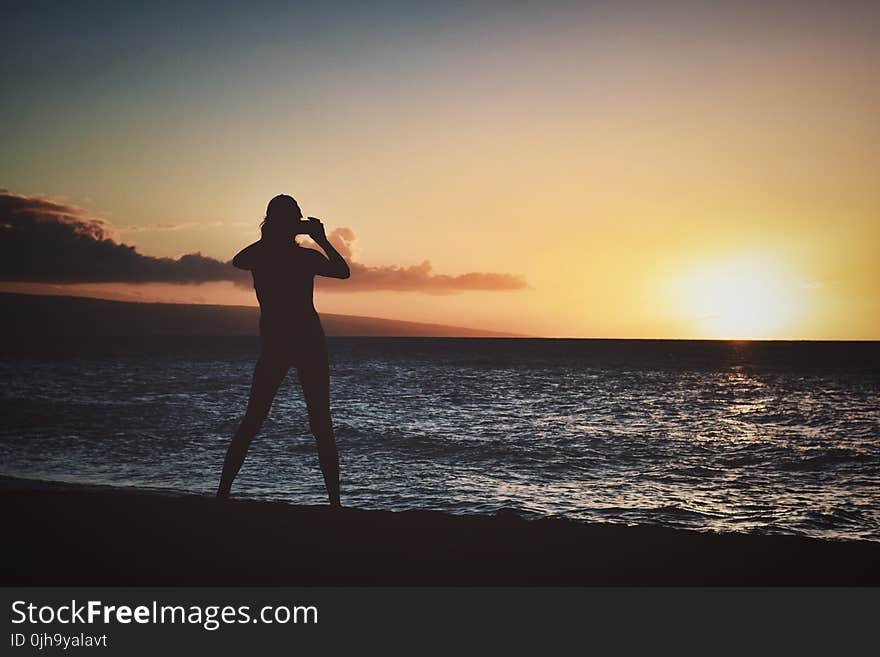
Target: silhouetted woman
[290,332]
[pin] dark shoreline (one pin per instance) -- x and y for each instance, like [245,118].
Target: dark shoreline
[62,534]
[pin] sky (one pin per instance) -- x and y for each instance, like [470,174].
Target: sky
[592,169]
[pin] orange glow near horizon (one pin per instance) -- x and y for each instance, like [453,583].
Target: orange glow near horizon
[745,297]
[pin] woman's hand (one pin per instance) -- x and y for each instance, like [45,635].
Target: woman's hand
[316,230]
[334,264]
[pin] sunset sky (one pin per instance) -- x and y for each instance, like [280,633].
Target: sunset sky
[568,169]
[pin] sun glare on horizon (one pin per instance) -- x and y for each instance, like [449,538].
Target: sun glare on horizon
[743,297]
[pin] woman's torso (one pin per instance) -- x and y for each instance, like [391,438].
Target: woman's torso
[284,283]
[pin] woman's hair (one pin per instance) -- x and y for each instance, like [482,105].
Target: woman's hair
[281,212]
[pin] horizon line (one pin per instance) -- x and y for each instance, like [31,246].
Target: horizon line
[505,334]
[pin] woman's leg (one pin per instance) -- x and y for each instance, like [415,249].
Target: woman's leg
[314,375]
[268,375]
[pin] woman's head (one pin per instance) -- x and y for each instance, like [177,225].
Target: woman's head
[282,216]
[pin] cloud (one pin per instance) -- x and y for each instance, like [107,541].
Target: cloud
[415,278]
[46,241]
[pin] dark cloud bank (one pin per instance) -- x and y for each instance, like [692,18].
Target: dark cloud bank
[42,240]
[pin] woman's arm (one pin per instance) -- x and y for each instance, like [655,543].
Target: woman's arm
[334,264]
[247,257]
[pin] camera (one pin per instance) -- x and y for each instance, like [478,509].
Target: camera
[302,227]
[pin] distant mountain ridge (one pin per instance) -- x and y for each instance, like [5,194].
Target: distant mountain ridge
[31,315]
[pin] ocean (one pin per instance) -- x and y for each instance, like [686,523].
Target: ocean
[758,437]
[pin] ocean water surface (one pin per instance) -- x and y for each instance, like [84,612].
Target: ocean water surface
[772,437]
